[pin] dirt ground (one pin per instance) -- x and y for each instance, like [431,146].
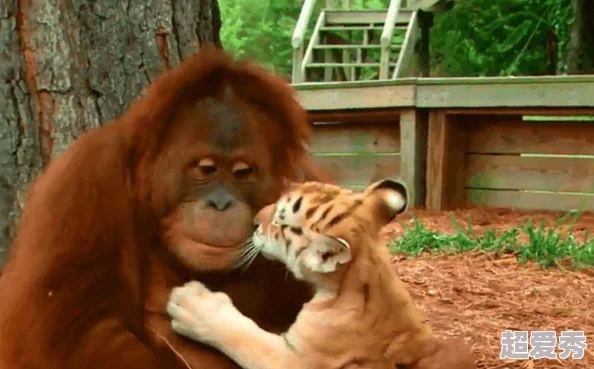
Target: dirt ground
[476,297]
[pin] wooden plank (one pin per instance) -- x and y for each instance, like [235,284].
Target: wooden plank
[302,21]
[530,173]
[436,160]
[445,162]
[503,95]
[360,171]
[413,137]
[363,84]
[355,138]
[356,98]
[337,65]
[529,200]
[297,74]
[361,115]
[461,81]
[528,80]
[334,17]
[523,111]
[356,46]
[563,138]
[386,37]
[359,28]
[315,40]
[408,49]
[456,156]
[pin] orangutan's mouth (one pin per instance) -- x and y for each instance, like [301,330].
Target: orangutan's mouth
[195,243]
[215,247]
[208,246]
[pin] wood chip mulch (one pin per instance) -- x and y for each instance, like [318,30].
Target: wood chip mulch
[475,296]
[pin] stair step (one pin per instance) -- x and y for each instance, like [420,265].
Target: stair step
[348,46]
[331,65]
[336,17]
[358,28]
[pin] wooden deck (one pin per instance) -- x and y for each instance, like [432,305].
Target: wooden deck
[461,141]
[448,93]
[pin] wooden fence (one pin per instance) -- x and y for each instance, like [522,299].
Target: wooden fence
[357,153]
[524,143]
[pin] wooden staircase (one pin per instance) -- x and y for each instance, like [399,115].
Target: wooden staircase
[353,45]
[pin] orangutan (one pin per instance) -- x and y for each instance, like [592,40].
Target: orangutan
[164,194]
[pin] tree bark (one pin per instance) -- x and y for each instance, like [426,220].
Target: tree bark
[70,65]
[580,49]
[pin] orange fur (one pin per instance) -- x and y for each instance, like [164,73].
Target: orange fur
[361,315]
[89,271]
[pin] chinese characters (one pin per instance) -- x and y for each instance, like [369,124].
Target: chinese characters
[514,345]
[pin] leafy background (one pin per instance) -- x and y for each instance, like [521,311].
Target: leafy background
[474,38]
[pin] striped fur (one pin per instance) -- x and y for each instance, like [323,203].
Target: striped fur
[311,227]
[361,315]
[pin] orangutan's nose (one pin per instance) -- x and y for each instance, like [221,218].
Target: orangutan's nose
[220,200]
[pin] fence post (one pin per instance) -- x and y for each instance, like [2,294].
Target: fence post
[413,150]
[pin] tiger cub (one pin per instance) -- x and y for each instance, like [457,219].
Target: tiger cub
[361,315]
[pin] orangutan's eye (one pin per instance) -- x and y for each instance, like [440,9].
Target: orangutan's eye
[207,166]
[242,170]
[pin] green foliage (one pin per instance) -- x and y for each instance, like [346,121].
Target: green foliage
[546,246]
[474,38]
[370,4]
[260,30]
[504,37]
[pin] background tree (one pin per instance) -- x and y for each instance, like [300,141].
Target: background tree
[500,38]
[580,48]
[67,66]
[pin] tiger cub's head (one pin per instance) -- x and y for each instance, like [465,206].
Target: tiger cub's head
[315,227]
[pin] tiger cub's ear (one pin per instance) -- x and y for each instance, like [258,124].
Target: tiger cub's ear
[325,253]
[389,198]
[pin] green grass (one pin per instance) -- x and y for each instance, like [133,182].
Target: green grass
[545,245]
[544,118]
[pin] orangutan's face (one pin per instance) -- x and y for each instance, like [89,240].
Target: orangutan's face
[218,175]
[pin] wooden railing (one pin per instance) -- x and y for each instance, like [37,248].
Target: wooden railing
[407,51]
[386,39]
[298,38]
[315,40]
[341,18]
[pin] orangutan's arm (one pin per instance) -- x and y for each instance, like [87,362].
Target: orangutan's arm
[110,345]
[211,318]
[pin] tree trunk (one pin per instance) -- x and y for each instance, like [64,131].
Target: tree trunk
[70,65]
[580,49]
[587,56]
